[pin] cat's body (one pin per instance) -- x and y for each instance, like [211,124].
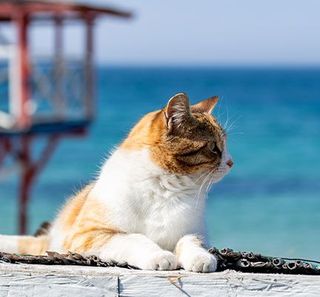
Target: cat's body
[146,207]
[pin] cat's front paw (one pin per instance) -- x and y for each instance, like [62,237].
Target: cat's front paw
[162,260]
[200,261]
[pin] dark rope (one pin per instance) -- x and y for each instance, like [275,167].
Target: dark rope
[256,263]
[227,259]
[53,258]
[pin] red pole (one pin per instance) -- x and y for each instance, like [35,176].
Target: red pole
[30,169]
[25,183]
[22,28]
[58,67]
[6,147]
[89,74]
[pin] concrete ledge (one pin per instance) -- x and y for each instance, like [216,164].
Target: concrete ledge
[41,280]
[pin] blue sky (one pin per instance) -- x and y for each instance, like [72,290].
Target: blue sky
[210,32]
[204,32]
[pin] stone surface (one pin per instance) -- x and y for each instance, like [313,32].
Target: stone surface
[40,280]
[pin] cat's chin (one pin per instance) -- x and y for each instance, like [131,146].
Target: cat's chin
[219,175]
[210,177]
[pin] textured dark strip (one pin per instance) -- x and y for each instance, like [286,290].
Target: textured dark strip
[256,263]
[227,259]
[53,258]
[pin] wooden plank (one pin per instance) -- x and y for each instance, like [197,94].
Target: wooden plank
[227,283]
[41,280]
[44,281]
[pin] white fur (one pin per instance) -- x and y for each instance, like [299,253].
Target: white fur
[57,237]
[154,209]
[193,257]
[138,250]
[9,244]
[224,168]
[146,200]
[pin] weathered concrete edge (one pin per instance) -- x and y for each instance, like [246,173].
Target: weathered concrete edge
[56,280]
[117,271]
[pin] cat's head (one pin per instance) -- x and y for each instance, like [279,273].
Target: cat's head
[183,139]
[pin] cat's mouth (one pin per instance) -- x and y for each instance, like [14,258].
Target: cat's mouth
[210,166]
[217,173]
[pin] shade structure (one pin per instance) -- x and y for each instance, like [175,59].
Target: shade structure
[25,118]
[47,9]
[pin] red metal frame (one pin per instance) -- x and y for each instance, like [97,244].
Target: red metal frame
[21,149]
[9,8]
[89,20]
[58,23]
[5,149]
[22,13]
[22,28]
[29,170]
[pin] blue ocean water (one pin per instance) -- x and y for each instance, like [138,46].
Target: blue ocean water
[270,201]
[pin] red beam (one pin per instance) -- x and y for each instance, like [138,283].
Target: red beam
[30,170]
[22,28]
[58,67]
[25,183]
[32,7]
[4,149]
[89,72]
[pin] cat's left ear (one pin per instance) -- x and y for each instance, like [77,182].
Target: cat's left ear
[206,105]
[177,111]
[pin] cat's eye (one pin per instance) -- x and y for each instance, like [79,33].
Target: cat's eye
[214,148]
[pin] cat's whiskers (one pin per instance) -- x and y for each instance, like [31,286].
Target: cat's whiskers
[209,184]
[200,192]
[226,123]
[200,189]
[211,180]
[201,176]
[231,124]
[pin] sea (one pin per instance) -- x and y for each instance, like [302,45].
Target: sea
[270,201]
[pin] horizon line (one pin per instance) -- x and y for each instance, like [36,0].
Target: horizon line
[218,66]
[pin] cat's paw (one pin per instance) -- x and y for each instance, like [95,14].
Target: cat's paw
[162,260]
[200,261]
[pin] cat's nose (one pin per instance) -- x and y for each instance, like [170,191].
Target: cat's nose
[230,163]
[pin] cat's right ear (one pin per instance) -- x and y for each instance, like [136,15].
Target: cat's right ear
[177,111]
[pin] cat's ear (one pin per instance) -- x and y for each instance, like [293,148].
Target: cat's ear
[206,105]
[177,110]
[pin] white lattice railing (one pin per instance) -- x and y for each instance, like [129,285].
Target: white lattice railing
[57,89]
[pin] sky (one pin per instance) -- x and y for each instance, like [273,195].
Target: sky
[210,32]
[203,32]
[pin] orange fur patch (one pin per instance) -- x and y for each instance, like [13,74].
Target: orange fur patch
[71,210]
[86,221]
[147,132]
[29,245]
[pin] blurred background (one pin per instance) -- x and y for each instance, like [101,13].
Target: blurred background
[261,58]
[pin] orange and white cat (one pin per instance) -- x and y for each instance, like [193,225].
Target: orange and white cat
[146,207]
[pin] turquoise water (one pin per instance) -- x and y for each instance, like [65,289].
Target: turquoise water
[270,201]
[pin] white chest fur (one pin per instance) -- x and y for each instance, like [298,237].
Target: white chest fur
[142,198]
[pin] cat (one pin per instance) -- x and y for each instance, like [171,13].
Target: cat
[146,207]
